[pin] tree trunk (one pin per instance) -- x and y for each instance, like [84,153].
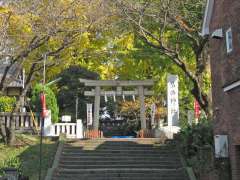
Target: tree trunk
[202,99]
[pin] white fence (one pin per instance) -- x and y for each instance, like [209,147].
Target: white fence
[67,128]
[72,130]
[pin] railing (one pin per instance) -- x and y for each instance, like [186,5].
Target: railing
[73,130]
[70,129]
[22,121]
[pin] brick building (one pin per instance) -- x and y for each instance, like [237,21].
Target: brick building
[222,24]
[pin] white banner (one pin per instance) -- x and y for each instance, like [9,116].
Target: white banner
[89,115]
[172,100]
[153,112]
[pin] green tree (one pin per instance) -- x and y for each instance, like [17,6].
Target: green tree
[69,88]
[172,28]
[144,62]
[31,30]
[51,101]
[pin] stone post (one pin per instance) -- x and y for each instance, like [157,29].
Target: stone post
[12,135]
[3,127]
[47,126]
[172,100]
[142,107]
[22,108]
[79,133]
[96,107]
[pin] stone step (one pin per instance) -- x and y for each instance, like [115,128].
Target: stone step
[118,178]
[120,171]
[128,140]
[114,148]
[117,152]
[103,166]
[122,174]
[151,174]
[113,154]
[126,162]
[121,158]
[117,144]
[133,148]
[120,155]
[163,148]
[120,150]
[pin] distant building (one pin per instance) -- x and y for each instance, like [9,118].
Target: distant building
[14,81]
[222,24]
[14,84]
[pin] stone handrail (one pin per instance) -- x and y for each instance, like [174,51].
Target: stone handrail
[22,120]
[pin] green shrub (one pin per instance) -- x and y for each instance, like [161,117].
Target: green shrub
[51,101]
[196,136]
[196,145]
[12,162]
[7,103]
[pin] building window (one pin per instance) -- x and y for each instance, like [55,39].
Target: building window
[229,40]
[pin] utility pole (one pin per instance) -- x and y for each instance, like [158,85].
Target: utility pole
[76,107]
[42,119]
[44,69]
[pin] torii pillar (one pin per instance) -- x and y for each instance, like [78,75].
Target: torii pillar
[96,107]
[142,107]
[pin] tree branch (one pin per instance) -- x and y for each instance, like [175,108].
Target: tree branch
[34,44]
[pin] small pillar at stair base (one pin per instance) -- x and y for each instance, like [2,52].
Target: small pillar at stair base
[47,124]
[79,129]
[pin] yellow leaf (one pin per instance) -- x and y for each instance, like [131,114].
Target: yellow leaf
[4,10]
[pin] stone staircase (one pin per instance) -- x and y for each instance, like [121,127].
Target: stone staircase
[119,159]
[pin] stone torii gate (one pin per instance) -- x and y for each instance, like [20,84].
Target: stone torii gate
[97,92]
